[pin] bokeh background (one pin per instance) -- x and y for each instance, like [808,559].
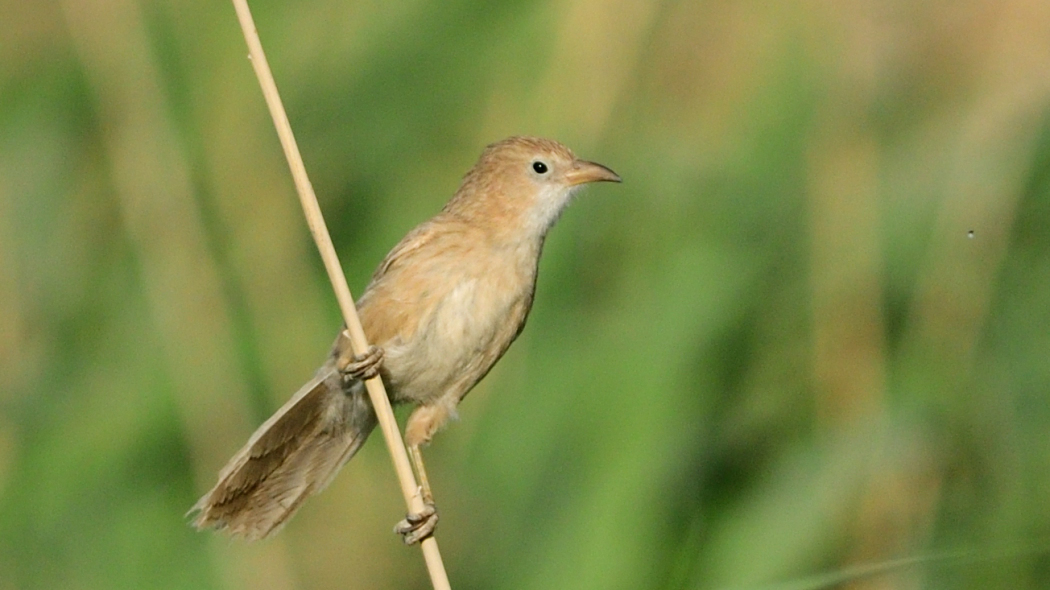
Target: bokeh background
[805,344]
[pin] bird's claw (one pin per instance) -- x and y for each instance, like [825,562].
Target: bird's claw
[418,526]
[363,367]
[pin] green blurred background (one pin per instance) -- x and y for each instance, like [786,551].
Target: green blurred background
[774,357]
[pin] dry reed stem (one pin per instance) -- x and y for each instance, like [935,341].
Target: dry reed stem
[391,433]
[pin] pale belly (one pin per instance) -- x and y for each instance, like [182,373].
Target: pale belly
[459,337]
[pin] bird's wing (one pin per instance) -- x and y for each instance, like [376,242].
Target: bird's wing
[410,244]
[411,280]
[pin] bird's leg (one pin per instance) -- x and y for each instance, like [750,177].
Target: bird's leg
[357,367]
[416,456]
[422,425]
[420,525]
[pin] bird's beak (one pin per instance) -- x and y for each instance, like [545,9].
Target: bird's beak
[583,171]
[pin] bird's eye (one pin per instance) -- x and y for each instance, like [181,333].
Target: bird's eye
[539,167]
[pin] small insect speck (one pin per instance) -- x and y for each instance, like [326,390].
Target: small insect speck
[969,234]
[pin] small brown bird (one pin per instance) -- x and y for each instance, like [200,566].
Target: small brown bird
[440,310]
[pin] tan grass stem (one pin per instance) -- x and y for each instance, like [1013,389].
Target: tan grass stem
[391,433]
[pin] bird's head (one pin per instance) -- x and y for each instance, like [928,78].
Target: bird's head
[524,183]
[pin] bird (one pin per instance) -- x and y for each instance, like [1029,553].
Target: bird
[440,310]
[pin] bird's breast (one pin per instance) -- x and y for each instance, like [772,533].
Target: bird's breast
[455,321]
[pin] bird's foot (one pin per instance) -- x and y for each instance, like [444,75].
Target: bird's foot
[363,367]
[416,527]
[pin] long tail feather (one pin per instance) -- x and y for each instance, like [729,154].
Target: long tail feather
[293,455]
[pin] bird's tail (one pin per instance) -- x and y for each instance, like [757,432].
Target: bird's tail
[293,455]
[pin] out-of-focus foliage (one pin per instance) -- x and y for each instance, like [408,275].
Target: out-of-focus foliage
[775,356]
